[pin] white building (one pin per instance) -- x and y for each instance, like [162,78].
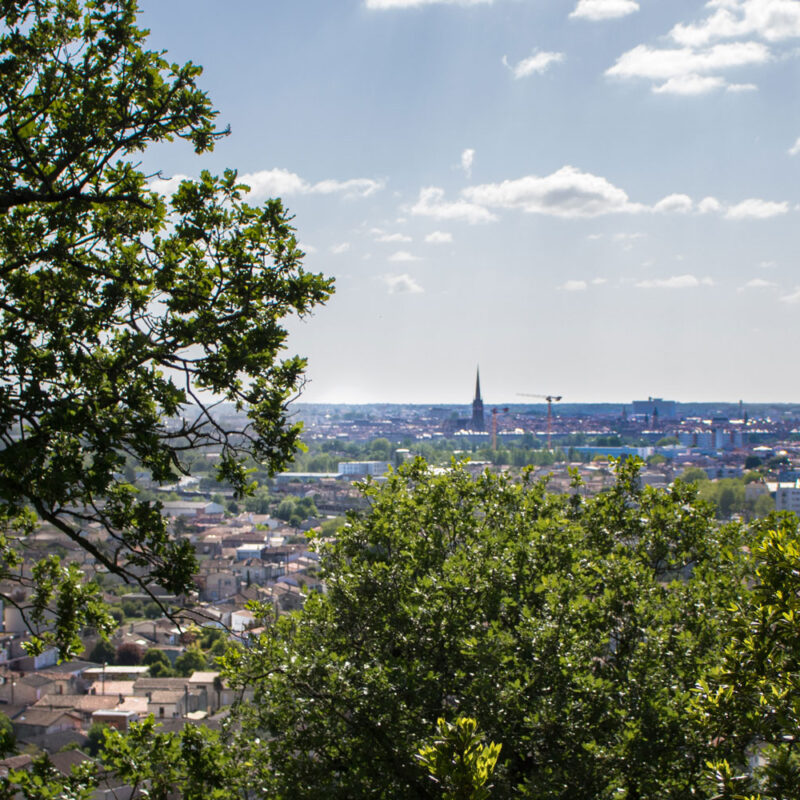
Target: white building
[787,497]
[363,468]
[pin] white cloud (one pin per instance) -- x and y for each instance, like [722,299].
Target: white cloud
[690,84]
[795,148]
[392,237]
[675,282]
[167,186]
[402,284]
[570,193]
[794,297]
[308,249]
[685,70]
[741,87]
[439,237]
[536,63]
[758,283]
[341,247]
[403,255]
[755,208]
[627,237]
[708,205]
[661,64]
[773,20]
[573,286]
[355,187]
[431,203]
[567,192]
[599,281]
[467,160]
[280,182]
[674,203]
[604,9]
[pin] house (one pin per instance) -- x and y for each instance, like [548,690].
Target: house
[217,693]
[34,724]
[83,705]
[24,761]
[242,619]
[170,697]
[30,688]
[115,718]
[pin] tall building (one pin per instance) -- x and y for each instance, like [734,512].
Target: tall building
[477,423]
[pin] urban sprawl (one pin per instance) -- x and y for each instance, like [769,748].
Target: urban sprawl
[744,458]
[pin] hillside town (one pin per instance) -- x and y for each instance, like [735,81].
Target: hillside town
[154,663]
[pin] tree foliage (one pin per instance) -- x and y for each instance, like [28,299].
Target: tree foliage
[751,699]
[8,740]
[458,761]
[572,630]
[120,307]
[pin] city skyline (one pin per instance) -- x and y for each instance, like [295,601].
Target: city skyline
[592,198]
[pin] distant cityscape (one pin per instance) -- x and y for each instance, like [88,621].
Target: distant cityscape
[745,458]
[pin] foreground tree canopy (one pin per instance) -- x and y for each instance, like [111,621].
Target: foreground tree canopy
[118,307]
[482,638]
[574,631]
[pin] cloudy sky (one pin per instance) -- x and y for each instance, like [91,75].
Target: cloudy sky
[596,198]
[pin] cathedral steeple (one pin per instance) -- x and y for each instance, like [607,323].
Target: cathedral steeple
[478,423]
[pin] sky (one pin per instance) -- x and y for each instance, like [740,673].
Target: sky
[591,198]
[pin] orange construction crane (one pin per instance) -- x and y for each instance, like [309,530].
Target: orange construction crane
[495,412]
[550,398]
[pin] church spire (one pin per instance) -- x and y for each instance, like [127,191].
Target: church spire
[478,423]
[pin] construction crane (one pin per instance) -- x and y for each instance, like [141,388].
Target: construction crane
[550,398]
[495,412]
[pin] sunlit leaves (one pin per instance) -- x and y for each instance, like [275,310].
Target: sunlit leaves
[572,631]
[119,307]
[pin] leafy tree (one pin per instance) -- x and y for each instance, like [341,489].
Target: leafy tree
[190,660]
[751,699]
[122,307]
[129,654]
[160,670]
[259,502]
[764,506]
[380,449]
[694,474]
[727,494]
[572,630]
[97,737]
[103,652]
[42,781]
[458,761]
[154,656]
[213,641]
[613,440]
[8,741]
[193,764]
[330,526]
[295,509]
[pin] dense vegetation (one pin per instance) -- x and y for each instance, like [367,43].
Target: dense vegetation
[627,645]
[120,306]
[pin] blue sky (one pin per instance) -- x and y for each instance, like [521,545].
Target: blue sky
[595,198]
